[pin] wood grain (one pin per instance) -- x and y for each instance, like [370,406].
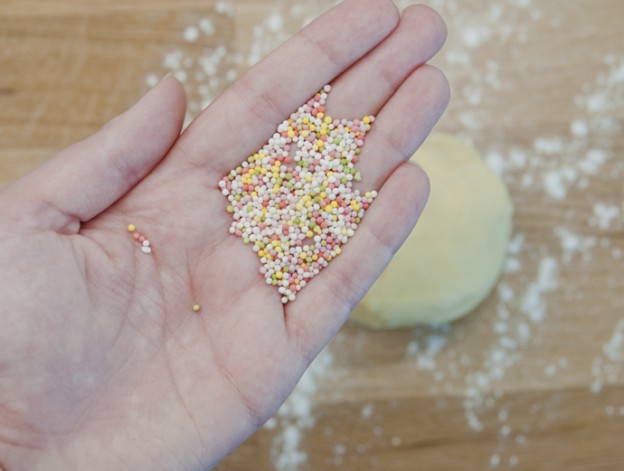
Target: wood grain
[69,66]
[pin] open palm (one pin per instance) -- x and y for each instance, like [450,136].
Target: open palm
[103,363]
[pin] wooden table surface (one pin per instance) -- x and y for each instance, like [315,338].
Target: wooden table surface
[534,378]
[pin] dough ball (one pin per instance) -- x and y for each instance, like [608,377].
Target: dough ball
[454,256]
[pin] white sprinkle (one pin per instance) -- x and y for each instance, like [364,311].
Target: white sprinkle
[275,22]
[554,185]
[147,250]
[579,128]
[191,33]
[151,80]
[207,26]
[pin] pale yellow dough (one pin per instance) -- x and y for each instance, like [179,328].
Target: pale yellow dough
[454,256]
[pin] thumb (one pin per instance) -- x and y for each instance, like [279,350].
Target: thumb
[86,178]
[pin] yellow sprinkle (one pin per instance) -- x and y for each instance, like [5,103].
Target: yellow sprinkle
[328,208]
[312,127]
[196,308]
[131,228]
[308,178]
[320,115]
[309,234]
[338,250]
[305,120]
[366,119]
[328,120]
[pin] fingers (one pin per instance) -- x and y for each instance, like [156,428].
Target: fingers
[88,177]
[366,86]
[403,124]
[325,303]
[242,119]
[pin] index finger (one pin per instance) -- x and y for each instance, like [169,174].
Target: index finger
[242,119]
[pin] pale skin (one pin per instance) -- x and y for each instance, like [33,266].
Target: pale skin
[103,362]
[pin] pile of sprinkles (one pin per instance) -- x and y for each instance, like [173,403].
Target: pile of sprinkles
[294,200]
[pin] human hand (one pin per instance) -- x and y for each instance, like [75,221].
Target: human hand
[103,363]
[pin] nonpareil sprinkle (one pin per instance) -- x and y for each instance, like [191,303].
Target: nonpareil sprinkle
[293,200]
